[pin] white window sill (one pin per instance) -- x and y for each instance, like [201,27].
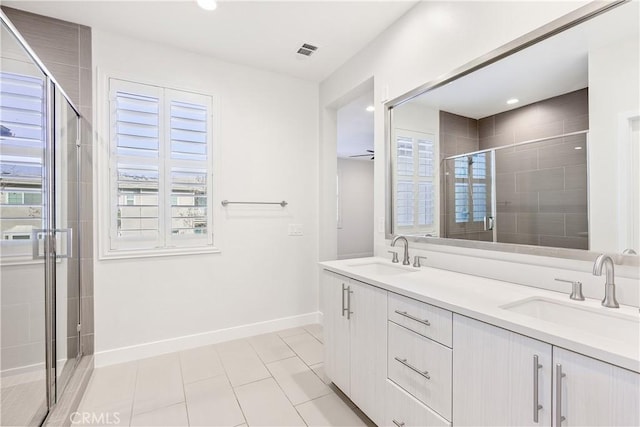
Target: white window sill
[152,253]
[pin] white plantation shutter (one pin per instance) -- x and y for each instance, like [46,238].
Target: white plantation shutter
[415,204]
[160,167]
[189,174]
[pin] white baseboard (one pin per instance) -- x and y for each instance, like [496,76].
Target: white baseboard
[156,348]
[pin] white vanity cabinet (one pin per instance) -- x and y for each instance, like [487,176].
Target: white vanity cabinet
[494,382]
[419,359]
[593,393]
[499,377]
[355,332]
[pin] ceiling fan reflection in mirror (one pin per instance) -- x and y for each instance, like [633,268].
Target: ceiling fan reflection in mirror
[370,153]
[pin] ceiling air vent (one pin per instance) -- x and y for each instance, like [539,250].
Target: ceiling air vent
[307,49]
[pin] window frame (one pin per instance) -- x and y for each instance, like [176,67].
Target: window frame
[166,244]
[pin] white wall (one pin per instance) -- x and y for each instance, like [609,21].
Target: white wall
[355,237]
[614,72]
[266,149]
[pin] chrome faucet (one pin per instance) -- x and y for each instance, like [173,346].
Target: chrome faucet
[405,260]
[609,286]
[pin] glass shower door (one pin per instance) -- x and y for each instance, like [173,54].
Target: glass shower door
[23,218]
[469,204]
[67,268]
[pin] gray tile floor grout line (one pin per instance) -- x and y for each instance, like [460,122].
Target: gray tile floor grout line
[135,388]
[163,406]
[280,360]
[203,379]
[233,390]
[290,402]
[251,382]
[258,354]
[184,393]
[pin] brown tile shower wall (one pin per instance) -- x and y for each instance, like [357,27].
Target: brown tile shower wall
[554,116]
[458,135]
[65,49]
[542,187]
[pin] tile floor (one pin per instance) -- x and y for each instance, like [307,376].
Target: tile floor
[274,379]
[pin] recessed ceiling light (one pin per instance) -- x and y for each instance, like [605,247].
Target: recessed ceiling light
[513,101]
[371,108]
[208,4]
[577,148]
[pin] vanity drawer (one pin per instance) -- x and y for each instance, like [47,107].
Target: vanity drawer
[420,366]
[425,319]
[404,410]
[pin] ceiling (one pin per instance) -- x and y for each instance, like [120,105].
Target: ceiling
[264,34]
[355,128]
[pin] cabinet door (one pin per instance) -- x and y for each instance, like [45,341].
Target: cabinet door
[368,349]
[336,329]
[594,393]
[494,376]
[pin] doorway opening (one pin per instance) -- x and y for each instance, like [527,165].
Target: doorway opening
[355,177]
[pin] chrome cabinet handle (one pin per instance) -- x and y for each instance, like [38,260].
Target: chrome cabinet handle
[559,376]
[536,404]
[343,289]
[408,316]
[398,423]
[413,368]
[349,312]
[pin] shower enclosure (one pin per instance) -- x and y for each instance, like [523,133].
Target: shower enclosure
[39,232]
[532,193]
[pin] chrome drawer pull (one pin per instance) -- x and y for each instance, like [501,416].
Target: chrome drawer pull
[399,424]
[536,405]
[559,376]
[408,316]
[413,368]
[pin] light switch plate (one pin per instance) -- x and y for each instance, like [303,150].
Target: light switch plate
[295,230]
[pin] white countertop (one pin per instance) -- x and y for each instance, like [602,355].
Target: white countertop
[482,298]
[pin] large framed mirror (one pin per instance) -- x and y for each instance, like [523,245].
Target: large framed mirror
[534,148]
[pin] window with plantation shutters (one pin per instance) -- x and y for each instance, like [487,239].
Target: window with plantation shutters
[160,168]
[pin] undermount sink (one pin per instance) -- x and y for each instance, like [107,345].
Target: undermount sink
[382,268]
[603,322]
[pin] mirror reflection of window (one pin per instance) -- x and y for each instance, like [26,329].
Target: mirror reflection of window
[415,182]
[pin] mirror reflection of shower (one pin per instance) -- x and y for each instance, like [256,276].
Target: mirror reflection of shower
[468,202]
[532,193]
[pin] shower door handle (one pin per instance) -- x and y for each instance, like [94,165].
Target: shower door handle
[488,223]
[37,235]
[69,246]
[40,234]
